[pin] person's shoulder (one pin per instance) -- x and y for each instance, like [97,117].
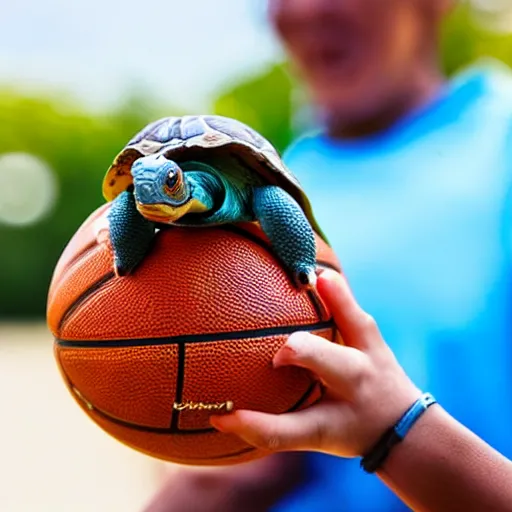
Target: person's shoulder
[302,144]
[494,82]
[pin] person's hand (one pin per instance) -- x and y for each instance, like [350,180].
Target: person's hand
[366,389]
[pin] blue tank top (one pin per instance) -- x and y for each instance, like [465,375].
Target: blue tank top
[420,217]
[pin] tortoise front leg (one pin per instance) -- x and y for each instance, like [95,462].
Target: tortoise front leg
[130,233]
[289,231]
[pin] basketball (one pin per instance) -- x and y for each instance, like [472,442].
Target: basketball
[192,332]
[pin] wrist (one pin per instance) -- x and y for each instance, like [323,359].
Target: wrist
[374,458]
[386,408]
[426,428]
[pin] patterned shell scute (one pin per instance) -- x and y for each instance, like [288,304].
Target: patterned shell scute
[209,131]
[157,131]
[237,130]
[177,137]
[184,128]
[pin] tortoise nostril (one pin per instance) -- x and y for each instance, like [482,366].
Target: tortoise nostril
[145,192]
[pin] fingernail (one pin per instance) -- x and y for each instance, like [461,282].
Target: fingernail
[290,347]
[328,273]
[297,339]
[296,335]
[216,422]
[339,279]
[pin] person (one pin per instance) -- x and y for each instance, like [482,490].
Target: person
[436,465]
[410,177]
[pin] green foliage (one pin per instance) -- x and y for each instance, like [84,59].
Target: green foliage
[263,102]
[465,39]
[79,147]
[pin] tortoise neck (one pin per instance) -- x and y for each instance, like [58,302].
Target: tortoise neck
[206,184]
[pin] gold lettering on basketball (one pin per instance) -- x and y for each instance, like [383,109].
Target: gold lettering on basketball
[200,406]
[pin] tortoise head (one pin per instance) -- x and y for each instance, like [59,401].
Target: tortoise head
[162,192]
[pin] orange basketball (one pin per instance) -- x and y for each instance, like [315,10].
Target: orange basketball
[150,356]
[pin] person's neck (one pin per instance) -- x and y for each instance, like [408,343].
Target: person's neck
[417,93]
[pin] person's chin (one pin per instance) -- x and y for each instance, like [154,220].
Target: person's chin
[344,100]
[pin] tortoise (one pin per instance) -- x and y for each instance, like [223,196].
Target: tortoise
[207,170]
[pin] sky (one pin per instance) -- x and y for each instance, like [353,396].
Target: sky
[180,50]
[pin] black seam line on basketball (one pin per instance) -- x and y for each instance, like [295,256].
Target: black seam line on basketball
[170,430]
[84,296]
[304,397]
[138,427]
[195,338]
[165,430]
[319,309]
[300,402]
[82,253]
[71,264]
[126,424]
[193,431]
[239,230]
[180,378]
[316,304]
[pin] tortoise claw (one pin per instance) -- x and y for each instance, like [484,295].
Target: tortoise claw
[306,279]
[126,263]
[120,271]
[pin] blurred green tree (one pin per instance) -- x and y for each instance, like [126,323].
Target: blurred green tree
[467,38]
[78,146]
[264,102]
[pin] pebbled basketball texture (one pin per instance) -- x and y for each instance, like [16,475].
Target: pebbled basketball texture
[198,322]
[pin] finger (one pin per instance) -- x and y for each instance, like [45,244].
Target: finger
[302,430]
[339,367]
[358,329]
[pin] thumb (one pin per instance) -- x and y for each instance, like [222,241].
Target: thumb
[303,430]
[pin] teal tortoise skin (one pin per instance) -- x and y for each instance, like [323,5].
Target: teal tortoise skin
[207,170]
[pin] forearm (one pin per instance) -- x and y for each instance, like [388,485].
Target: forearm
[442,466]
[258,485]
[252,487]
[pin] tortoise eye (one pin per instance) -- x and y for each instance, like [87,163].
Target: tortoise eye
[175,184]
[172,179]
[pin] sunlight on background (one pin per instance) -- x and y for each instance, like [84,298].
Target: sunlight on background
[180,51]
[28,189]
[495,13]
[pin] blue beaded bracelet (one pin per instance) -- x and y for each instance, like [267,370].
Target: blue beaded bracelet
[378,454]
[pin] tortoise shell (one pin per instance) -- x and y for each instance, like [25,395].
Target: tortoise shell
[188,137]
